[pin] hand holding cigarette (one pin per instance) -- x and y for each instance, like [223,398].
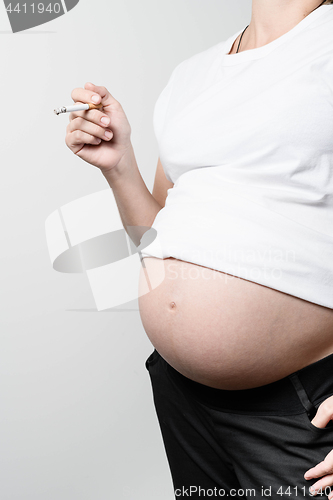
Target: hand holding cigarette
[98,131]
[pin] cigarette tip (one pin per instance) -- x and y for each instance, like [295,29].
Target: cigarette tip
[58,111]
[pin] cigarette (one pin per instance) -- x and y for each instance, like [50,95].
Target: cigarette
[77,107]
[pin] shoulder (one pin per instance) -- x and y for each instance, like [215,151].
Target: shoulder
[320,29]
[204,57]
[186,78]
[199,62]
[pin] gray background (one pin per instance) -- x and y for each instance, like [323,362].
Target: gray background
[77,420]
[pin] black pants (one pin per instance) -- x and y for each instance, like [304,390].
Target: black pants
[251,443]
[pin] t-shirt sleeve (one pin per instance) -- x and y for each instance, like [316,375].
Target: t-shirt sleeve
[160,111]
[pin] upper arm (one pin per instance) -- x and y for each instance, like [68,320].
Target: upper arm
[161,185]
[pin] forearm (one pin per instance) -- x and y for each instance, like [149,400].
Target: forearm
[137,207]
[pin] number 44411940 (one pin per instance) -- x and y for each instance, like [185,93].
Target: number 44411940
[39,8]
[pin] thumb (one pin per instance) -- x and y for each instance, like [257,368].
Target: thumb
[105,97]
[321,418]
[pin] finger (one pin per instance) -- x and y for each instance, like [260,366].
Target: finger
[78,138]
[321,469]
[323,416]
[320,420]
[90,128]
[84,96]
[320,486]
[106,98]
[93,116]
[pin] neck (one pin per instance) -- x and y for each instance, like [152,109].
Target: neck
[272,19]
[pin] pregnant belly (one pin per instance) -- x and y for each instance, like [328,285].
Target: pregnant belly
[226,332]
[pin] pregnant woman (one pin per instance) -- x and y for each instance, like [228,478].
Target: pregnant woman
[242,322]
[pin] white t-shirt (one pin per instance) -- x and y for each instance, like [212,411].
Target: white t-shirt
[247,140]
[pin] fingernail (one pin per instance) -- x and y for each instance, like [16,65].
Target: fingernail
[108,134]
[105,120]
[95,98]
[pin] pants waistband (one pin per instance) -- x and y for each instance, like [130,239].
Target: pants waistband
[294,394]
